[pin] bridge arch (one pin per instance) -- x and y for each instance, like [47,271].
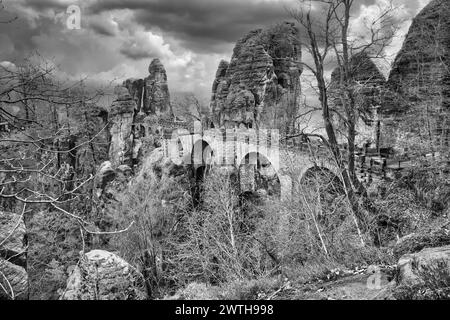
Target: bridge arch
[202,154]
[257,172]
[201,157]
[315,167]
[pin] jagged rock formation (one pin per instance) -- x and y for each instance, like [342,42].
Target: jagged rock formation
[130,143]
[157,98]
[146,102]
[152,93]
[12,256]
[414,101]
[260,87]
[420,75]
[369,83]
[138,100]
[102,275]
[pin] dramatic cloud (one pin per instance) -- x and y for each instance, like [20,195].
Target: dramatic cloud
[119,38]
[202,25]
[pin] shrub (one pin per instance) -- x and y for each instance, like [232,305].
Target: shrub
[217,244]
[156,205]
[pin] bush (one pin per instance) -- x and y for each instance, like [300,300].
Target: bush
[414,203]
[156,205]
[216,242]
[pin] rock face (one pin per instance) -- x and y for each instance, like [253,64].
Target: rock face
[136,89]
[121,117]
[12,256]
[260,87]
[410,265]
[420,75]
[102,275]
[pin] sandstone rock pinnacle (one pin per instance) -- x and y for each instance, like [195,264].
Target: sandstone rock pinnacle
[260,86]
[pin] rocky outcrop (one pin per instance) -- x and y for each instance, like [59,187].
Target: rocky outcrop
[261,84]
[137,100]
[420,78]
[135,130]
[151,94]
[12,257]
[102,275]
[16,286]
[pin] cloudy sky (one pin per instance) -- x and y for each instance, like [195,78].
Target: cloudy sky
[118,39]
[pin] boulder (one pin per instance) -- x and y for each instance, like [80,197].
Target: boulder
[15,281]
[410,265]
[102,275]
[105,174]
[13,256]
[12,237]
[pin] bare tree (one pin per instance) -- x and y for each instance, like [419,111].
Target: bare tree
[326,25]
[191,108]
[46,132]
[34,164]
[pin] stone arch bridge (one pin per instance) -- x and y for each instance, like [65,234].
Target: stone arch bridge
[252,153]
